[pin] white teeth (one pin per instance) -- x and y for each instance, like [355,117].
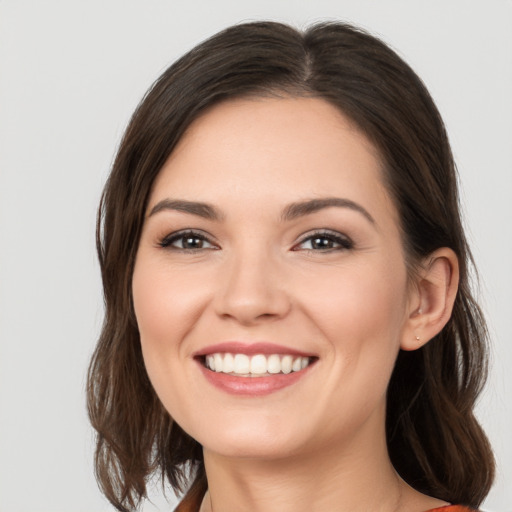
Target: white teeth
[256,365]
[242,364]
[218,360]
[228,365]
[259,364]
[274,364]
[286,364]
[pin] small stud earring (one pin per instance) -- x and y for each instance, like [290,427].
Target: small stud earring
[417,338]
[420,311]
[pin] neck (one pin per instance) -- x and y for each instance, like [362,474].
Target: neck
[327,480]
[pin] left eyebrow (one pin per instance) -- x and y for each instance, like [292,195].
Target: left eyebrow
[301,208]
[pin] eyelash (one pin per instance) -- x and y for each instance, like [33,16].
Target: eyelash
[343,242]
[169,240]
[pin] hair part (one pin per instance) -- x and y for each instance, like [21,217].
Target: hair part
[434,440]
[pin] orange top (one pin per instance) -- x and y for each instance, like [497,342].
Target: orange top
[453,508]
[447,508]
[190,506]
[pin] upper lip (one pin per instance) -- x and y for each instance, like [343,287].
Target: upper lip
[239,347]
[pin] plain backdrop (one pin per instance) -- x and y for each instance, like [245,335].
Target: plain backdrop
[71,73]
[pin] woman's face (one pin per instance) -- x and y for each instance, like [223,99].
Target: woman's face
[271,243]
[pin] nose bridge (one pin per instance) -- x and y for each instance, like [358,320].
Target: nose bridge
[252,285]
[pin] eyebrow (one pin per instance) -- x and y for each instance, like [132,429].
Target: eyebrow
[205,210]
[301,208]
[291,212]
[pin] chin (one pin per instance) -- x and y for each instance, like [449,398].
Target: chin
[252,441]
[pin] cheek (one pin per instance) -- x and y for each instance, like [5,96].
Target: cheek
[167,307]
[361,313]
[166,304]
[360,303]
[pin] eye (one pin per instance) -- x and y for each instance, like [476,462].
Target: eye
[324,241]
[187,241]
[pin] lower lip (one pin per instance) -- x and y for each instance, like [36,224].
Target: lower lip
[252,386]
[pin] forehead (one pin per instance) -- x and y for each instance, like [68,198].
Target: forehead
[282,148]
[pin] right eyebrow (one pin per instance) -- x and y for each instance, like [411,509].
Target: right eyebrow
[205,210]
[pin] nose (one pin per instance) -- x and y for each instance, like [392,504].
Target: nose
[252,290]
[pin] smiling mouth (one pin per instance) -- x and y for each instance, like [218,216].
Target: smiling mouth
[257,365]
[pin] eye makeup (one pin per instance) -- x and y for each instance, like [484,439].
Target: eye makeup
[187,240]
[324,241]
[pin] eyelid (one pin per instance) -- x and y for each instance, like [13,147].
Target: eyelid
[344,241]
[167,241]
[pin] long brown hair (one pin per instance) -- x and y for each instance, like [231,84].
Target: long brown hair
[434,440]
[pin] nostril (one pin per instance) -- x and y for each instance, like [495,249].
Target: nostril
[251,312]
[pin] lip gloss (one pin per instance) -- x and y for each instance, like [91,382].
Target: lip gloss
[238,347]
[251,386]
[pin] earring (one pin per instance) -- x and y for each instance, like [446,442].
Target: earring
[417,338]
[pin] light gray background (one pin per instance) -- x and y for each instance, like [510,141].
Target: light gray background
[71,73]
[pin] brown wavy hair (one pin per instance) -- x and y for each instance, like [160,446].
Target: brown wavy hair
[434,440]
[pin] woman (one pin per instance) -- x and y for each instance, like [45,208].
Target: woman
[289,324]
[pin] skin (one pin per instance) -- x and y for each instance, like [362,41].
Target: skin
[257,277]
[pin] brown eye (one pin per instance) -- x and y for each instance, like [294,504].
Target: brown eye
[322,243]
[191,242]
[187,241]
[325,242]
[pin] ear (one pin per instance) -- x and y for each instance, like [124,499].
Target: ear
[431,298]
